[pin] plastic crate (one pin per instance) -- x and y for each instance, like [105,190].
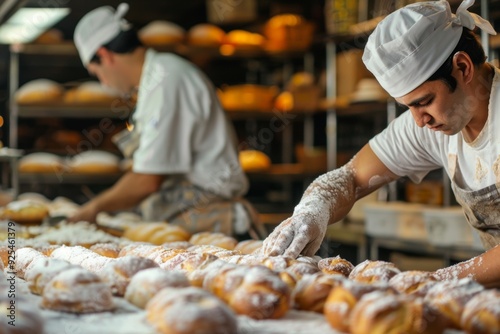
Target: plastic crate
[395,219]
[448,227]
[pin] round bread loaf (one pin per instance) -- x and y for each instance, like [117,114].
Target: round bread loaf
[39,91]
[482,313]
[190,310]
[161,33]
[335,265]
[205,34]
[146,284]
[77,291]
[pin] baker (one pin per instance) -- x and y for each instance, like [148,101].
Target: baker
[185,162]
[431,62]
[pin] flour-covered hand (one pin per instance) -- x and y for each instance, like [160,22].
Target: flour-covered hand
[302,233]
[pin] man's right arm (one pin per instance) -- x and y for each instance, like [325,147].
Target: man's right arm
[327,200]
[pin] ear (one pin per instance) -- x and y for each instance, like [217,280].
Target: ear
[105,55]
[463,66]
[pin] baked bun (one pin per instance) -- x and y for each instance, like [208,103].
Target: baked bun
[42,270]
[41,162]
[413,282]
[380,313]
[215,239]
[374,271]
[482,313]
[91,93]
[23,258]
[117,274]
[106,249]
[82,256]
[205,34]
[335,266]
[450,297]
[24,314]
[288,32]
[156,233]
[257,292]
[146,284]
[189,310]
[161,33]
[94,162]
[25,212]
[177,245]
[245,40]
[254,161]
[248,246]
[298,269]
[311,291]
[342,299]
[77,291]
[39,91]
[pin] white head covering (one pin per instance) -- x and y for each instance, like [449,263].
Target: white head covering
[410,44]
[97,28]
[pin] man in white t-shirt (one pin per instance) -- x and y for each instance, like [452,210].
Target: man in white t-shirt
[430,61]
[185,163]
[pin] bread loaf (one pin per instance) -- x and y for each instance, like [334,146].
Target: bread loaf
[335,265]
[311,291]
[374,271]
[156,233]
[482,313]
[77,291]
[189,310]
[215,239]
[145,284]
[413,282]
[42,270]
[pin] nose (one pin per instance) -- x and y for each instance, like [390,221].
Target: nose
[421,118]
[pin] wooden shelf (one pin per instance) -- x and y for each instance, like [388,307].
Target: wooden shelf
[68,178]
[225,51]
[68,111]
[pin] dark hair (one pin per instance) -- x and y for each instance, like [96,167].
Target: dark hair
[468,43]
[125,42]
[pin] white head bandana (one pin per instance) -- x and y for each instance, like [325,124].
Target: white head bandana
[410,44]
[97,28]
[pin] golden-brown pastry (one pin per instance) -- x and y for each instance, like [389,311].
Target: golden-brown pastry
[257,292]
[254,161]
[248,246]
[24,314]
[77,291]
[342,299]
[106,249]
[156,233]
[189,310]
[413,282]
[83,257]
[91,93]
[42,270]
[450,297]
[161,33]
[380,313]
[205,34]
[482,313]
[23,259]
[335,266]
[25,212]
[288,32]
[39,91]
[146,284]
[213,238]
[298,269]
[374,271]
[245,40]
[95,161]
[41,162]
[177,245]
[311,291]
[246,97]
[117,274]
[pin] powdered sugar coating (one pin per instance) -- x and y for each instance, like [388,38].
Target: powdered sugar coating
[23,258]
[482,313]
[146,284]
[42,270]
[190,310]
[77,291]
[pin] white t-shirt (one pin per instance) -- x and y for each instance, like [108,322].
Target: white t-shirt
[408,150]
[183,129]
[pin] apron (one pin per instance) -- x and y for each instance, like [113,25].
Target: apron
[481,207]
[182,203]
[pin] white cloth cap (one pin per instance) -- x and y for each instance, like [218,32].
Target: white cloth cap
[410,44]
[97,28]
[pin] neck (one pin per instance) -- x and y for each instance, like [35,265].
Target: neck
[132,67]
